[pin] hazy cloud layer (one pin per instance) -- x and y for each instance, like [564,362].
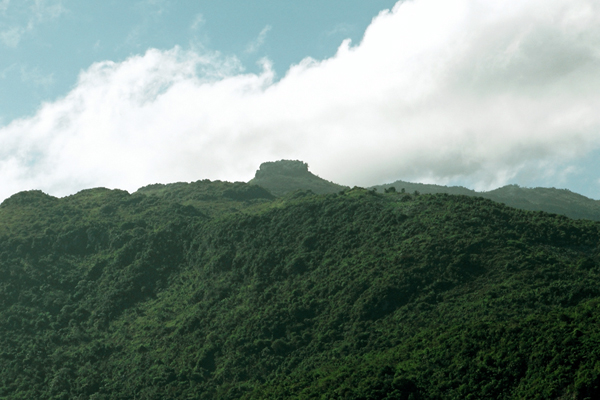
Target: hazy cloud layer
[437,89]
[18,18]
[257,43]
[4,5]
[198,22]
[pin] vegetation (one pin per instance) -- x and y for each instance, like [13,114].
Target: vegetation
[215,290]
[552,200]
[285,176]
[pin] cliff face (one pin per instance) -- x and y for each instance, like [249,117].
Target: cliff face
[283,167]
[284,176]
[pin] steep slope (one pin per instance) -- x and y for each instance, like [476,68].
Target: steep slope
[558,201]
[108,295]
[284,176]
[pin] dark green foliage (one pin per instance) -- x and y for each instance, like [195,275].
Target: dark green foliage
[213,290]
[212,198]
[558,201]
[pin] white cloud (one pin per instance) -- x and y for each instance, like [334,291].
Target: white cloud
[12,36]
[44,10]
[153,7]
[30,75]
[134,37]
[477,90]
[22,17]
[4,5]
[35,77]
[257,43]
[198,22]
[340,29]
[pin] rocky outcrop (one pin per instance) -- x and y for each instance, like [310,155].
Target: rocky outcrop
[284,176]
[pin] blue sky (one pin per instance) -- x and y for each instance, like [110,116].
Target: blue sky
[478,93]
[45,44]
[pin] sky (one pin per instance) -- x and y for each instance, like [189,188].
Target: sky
[477,93]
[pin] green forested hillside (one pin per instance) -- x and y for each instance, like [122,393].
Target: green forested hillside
[285,176]
[552,200]
[190,291]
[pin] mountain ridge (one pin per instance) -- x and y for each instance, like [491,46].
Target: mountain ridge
[284,176]
[551,200]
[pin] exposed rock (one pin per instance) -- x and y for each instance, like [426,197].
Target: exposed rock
[284,176]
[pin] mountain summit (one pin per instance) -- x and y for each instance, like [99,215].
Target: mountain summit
[284,176]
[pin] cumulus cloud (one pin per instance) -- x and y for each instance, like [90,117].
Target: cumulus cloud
[437,89]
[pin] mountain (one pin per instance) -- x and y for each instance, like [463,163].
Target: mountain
[558,201]
[217,290]
[424,188]
[212,197]
[284,176]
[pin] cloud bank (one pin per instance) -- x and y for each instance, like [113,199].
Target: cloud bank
[437,89]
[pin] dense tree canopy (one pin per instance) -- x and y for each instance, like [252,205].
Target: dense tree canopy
[215,290]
